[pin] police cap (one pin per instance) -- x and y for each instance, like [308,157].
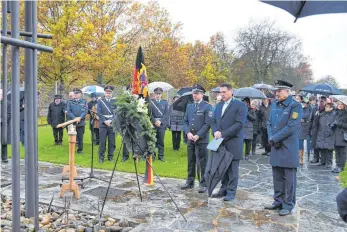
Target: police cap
[198,89]
[280,84]
[76,90]
[158,90]
[57,96]
[109,88]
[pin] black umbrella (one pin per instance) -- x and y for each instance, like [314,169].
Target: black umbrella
[216,168]
[184,90]
[323,89]
[181,103]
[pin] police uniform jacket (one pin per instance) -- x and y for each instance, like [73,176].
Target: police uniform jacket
[77,108]
[160,111]
[176,120]
[197,120]
[231,124]
[340,128]
[8,124]
[248,129]
[105,109]
[283,126]
[56,114]
[305,124]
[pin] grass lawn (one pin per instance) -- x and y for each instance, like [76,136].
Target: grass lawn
[343,176]
[175,165]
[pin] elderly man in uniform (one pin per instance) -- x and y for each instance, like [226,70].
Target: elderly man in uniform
[56,115]
[5,139]
[105,108]
[78,108]
[283,128]
[197,122]
[160,119]
[228,122]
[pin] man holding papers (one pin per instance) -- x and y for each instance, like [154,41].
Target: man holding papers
[197,122]
[227,123]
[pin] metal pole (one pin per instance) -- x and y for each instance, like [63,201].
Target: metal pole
[29,34]
[35,154]
[4,77]
[24,44]
[29,118]
[15,119]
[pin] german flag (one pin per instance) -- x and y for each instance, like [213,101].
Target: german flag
[140,81]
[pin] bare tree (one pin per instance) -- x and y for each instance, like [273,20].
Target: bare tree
[329,79]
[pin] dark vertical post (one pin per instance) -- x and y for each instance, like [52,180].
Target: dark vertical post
[29,117]
[15,119]
[4,76]
[35,154]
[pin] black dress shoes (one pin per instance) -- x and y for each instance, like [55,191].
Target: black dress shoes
[273,207]
[187,186]
[161,159]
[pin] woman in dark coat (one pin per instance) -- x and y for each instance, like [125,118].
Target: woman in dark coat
[325,135]
[176,125]
[248,127]
[256,125]
[304,128]
[340,127]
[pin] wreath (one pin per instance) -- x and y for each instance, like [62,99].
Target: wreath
[134,124]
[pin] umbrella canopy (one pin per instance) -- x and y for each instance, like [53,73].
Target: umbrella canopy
[21,94]
[262,86]
[184,90]
[165,86]
[249,92]
[341,98]
[324,89]
[98,90]
[216,167]
[300,9]
[181,103]
[215,90]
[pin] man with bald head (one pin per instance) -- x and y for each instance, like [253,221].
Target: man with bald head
[5,139]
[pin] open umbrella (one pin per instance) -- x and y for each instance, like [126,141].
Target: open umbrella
[184,90]
[98,90]
[324,89]
[262,86]
[181,103]
[215,90]
[249,92]
[216,167]
[165,86]
[300,9]
[341,98]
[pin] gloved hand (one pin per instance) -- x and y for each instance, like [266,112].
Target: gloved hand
[333,124]
[278,145]
[271,143]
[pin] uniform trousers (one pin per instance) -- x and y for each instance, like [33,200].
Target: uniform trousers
[109,134]
[160,141]
[79,138]
[284,181]
[197,156]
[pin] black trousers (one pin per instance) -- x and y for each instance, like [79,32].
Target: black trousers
[125,152]
[110,135]
[340,153]
[95,135]
[266,140]
[79,138]
[254,142]
[326,156]
[58,134]
[248,143]
[160,141]
[284,181]
[3,152]
[197,155]
[316,155]
[176,139]
[231,179]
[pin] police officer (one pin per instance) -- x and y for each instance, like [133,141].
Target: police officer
[78,108]
[283,127]
[197,121]
[105,108]
[160,119]
[56,115]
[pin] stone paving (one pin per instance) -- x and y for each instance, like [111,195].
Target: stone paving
[315,211]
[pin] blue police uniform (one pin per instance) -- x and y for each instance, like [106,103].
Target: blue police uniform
[78,108]
[283,128]
[160,111]
[105,109]
[197,120]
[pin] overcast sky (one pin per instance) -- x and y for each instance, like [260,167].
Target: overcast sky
[324,36]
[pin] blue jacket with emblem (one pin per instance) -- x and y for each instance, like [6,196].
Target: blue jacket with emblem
[197,120]
[160,111]
[105,110]
[283,126]
[231,124]
[77,108]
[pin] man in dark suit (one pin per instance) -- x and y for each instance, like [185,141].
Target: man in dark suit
[105,108]
[197,121]
[56,115]
[228,121]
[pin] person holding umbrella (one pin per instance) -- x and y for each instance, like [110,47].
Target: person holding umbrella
[197,121]
[282,127]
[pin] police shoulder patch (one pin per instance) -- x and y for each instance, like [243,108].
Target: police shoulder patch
[210,114]
[295,115]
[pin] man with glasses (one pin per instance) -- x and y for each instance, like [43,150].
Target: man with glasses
[283,127]
[160,119]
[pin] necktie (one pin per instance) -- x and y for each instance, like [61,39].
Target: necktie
[224,107]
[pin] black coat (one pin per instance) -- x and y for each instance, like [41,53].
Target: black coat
[8,124]
[248,128]
[340,128]
[176,119]
[257,123]
[305,123]
[325,135]
[264,115]
[56,114]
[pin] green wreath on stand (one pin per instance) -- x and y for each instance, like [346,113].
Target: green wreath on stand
[134,124]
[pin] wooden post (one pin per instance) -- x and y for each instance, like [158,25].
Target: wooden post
[72,186]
